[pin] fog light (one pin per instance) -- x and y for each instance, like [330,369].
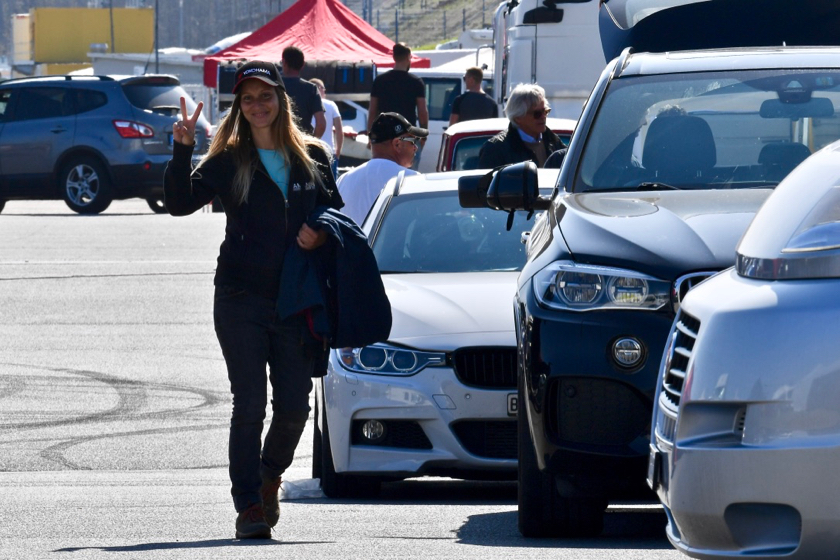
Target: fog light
[627,352]
[373,431]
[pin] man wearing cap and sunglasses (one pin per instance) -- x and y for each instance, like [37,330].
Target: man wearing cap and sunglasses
[393,143]
[527,138]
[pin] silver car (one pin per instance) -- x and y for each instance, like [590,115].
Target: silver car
[746,427]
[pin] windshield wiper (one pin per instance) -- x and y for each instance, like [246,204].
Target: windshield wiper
[654,186]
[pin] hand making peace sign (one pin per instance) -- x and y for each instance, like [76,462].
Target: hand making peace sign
[183,131]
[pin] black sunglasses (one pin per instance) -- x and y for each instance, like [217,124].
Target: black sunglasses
[410,139]
[538,114]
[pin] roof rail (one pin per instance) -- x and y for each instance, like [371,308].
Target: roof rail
[66,77]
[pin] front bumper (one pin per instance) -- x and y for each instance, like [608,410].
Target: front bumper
[744,451]
[439,425]
[589,417]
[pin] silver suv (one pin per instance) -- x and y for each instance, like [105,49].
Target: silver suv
[89,139]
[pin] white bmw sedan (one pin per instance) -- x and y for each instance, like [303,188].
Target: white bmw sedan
[439,397]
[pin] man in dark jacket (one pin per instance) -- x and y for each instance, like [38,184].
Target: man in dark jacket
[527,138]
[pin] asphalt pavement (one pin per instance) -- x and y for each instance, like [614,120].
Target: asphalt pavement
[114,409]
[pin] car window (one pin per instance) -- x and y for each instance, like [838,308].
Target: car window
[41,103]
[440,93]
[465,154]
[432,233]
[347,112]
[88,99]
[734,129]
[466,151]
[159,98]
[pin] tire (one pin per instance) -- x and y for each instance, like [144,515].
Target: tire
[316,444]
[85,185]
[543,513]
[337,485]
[156,204]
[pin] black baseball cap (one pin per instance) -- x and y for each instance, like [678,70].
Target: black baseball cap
[259,70]
[393,125]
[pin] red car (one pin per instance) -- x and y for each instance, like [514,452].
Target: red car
[462,141]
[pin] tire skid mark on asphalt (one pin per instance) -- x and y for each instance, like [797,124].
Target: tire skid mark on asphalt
[55,453]
[132,396]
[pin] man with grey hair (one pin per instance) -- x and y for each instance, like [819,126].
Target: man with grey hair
[527,137]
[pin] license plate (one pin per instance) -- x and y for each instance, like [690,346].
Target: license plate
[513,404]
[654,468]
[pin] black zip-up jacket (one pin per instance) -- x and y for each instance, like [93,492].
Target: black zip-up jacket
[259,230]
[508,147]
[343,290]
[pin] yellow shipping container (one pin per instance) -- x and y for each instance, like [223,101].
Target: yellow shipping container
[66,34]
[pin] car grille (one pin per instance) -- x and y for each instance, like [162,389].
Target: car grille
[404,434]
[486,367]
[597,411]
[683,337]
[685,283]
[490,439]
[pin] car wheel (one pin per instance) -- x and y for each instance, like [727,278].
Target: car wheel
[337,485]
[543,512]
[156,204]
[85,186]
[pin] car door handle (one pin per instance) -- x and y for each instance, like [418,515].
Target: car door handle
[58,129]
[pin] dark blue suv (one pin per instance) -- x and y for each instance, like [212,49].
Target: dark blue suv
[672,156]
[89,139]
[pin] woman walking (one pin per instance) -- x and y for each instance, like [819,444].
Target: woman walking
[269,176]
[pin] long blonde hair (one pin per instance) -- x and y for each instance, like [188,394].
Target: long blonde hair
[234,132]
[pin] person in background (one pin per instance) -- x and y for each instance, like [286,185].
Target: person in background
[306,101]
[527,137]
[474,103]
[269,176]
[400,91]
[334,132]
[393,143]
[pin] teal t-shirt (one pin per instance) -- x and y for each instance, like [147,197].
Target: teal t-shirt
[275,164]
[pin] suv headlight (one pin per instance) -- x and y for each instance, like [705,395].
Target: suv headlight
[384,359]
[570,286]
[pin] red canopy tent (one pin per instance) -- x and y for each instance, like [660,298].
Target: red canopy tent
[322,29]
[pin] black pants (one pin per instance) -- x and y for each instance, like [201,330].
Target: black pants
[251,337]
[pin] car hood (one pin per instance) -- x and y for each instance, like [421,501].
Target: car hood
[444,312]
[673,25]
[662,234]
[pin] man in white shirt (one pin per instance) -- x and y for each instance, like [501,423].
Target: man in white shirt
[334,133]
[393,141]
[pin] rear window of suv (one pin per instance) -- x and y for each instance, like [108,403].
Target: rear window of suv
[159,98]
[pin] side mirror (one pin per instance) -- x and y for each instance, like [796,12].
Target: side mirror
[472,190]
[516,187]
[513,187]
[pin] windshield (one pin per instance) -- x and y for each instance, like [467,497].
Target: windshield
[708,130]
[432,233]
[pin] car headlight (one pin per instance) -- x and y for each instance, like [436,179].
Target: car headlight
[383,359]
[574,287]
